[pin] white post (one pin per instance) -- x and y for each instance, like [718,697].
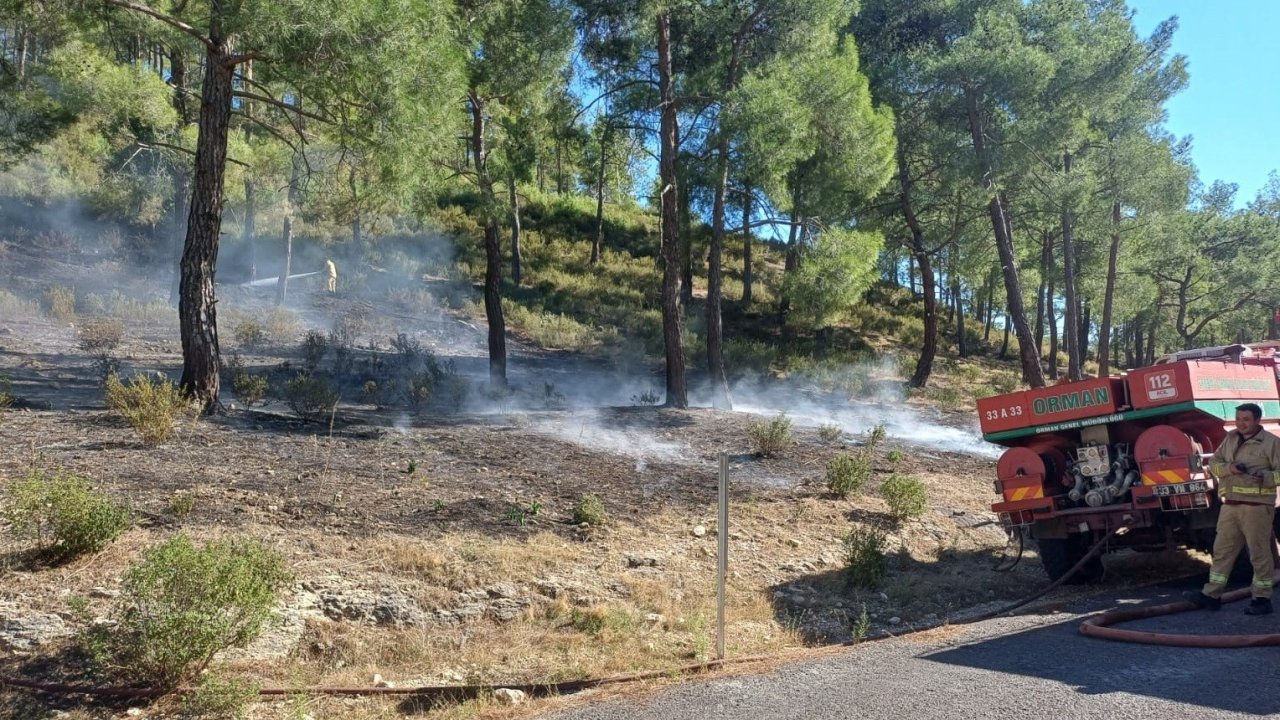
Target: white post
[722,564]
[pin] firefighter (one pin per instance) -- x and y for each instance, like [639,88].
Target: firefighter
[332,270]
[1246,464]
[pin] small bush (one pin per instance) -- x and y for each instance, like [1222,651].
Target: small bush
[589,510]
[314,347]
[772,437]
[377,393]
[896,456]
[864,556]
[248,388]
[64,515]
[906,496]
[100,334]
[6,393]
[282,326]
[421,386]
[181,504]
[311,397]
[183,604]
[249,334]
[875,436]
[847,474]
[218,696]
[830,432]
[150,406]
[61,303]
[408,350]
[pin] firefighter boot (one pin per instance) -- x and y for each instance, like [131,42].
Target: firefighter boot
[1259,606]
[1202,601]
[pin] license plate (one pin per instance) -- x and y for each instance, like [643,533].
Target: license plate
[1179,489]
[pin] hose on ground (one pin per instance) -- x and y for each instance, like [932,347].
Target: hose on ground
[457,693]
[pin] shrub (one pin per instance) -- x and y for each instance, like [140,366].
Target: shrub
[589,510]
[249,334]
[864,556]
[248,388]
[378,393]
[181,504]
[847,474]
[906,496]
[314,347]
[6,393]
[421,385]
[100,334]
[282,326]
[408,350]
[311,397]
[772,437]
[64,515]
[61,303]
[150,406]
[219,696]
[875,436]
[895,456]
[182,604]
[830,432]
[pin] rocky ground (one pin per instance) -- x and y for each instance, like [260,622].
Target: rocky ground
[439,546]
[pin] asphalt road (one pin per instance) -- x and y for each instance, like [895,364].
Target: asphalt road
[1026,667]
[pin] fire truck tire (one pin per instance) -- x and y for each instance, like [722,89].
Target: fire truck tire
[1059,555]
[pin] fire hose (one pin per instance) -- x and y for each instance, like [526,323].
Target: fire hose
[1094,627]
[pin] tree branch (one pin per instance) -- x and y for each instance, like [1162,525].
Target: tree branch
[153,145]
[173,22]
[280,104]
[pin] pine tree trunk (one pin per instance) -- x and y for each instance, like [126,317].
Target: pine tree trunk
[997,208]
[991,309]
[1082,340]
[516,259]
[250,190]
[677,391]
[791,261]
[1052,319]
[919,254]
[598,243]
[962,341]
[492,251]
[686,245]
[1071,317]
[1109,295]
[181,211]
[748,276]
[1046,266]
[1004,345]
[197,306]
[715,327]
[286,264]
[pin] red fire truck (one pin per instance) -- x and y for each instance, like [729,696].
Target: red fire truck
[1088,456]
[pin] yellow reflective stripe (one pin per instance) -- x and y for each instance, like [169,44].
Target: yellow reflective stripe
[1216,578]
[1219,467]
[1245,490]
[1263,583]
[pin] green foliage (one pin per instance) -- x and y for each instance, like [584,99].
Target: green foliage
[250,334]
[864,556]
[833,275]
[830,432]
[895,456]
[60,303]
[770,438]
[181,504]
[151,405]
[847,474]
[6,393]
[311,396]
[590,510]
[248,388]
[182,604]
[220,696]
[315,345]
[876,435]
[906,496]
[64,514]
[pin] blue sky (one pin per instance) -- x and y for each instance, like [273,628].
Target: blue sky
[1232,106]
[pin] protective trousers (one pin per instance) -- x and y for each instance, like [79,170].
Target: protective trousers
[1239,526]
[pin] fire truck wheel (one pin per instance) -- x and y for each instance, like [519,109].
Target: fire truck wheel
[1060,555]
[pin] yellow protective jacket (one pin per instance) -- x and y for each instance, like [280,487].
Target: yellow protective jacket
[1260,455]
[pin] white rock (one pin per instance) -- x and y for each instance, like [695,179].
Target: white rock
[507,696]
[699,530]
[895,620]
[655,618]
